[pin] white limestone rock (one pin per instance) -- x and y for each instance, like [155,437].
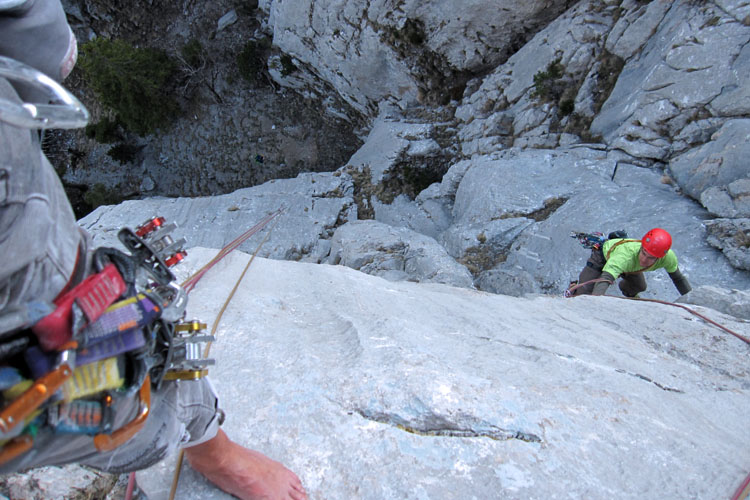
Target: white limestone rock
[692,58]
[382,390]
[706,172]
[354,46]
[395,253]
[314,204]
[734,302]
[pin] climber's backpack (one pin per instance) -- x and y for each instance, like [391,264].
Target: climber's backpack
[594,241]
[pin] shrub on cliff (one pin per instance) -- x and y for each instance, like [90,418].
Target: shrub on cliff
[133,82]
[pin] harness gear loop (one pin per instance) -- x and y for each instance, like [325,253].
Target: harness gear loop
[108,442]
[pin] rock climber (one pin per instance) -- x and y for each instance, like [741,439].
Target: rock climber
[629,259]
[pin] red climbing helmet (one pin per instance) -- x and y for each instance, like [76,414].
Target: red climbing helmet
[656,242]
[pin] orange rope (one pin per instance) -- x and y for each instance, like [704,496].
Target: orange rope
[691,311]
[696,313]
[178,466]
[190,283]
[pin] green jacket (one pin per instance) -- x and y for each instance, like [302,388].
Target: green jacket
[624,258]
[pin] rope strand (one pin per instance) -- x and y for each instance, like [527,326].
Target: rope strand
[178,467]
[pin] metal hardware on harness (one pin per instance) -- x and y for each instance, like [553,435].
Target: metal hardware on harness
[149,226]
[156,232]
[174,301]
[155,251]
[68,112]
[185,375]
[44,387]
[187,361]
[107,442]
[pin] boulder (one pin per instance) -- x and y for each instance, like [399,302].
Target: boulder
[734,302]
[395,253]
[716,173]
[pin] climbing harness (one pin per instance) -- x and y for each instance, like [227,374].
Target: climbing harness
[116,334]
[595,242]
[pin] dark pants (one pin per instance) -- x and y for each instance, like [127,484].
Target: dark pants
[631,284]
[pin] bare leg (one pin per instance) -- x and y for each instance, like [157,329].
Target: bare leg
[244,473]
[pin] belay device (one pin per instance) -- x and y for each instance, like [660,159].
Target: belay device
[117,334]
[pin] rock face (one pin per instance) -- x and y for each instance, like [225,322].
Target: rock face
[403,51]
[618,85]
[235,128]
[379,390]
[494,130]
[501,177]
[395,253]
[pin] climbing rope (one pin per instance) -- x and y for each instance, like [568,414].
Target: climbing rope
[188,285]
[744,489]
[200,273]
[568,293]
[694,312]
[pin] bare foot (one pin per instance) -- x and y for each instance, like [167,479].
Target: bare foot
[244,473]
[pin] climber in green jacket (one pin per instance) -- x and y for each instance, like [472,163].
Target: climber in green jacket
[629,259]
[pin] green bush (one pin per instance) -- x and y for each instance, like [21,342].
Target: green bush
[246,7]
[100,194]
[567,106]
[104,131]
[545,82]
[192,52]
[133,82]
[287,65]
[251,61]
[123,152]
